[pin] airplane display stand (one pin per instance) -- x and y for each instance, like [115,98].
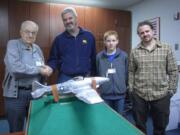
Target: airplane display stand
[70,116]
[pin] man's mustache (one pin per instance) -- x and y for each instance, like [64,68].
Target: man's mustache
[69,24]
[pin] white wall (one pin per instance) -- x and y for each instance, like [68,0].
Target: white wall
[165,9]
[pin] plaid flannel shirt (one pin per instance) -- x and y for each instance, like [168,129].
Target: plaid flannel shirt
[152,74]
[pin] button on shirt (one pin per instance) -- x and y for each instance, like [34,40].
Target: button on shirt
[152,74]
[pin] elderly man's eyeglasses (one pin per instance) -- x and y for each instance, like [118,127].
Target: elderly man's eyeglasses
[30,32]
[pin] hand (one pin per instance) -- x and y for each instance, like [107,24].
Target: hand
[45,70]
[49,70]
[171,93]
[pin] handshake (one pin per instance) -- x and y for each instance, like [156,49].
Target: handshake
[45,70]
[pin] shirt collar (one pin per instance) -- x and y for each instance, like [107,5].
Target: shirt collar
[25,47]
[118,51]
[158,44]
[69,35]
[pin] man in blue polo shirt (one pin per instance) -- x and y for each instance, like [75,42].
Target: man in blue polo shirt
[73,52]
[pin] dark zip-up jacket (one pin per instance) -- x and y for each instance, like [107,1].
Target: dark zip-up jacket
[118,81]
[74,55]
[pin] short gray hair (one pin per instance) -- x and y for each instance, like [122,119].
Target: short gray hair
[28,22]
[69,10]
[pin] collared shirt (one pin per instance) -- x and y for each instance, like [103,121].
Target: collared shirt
[152,74]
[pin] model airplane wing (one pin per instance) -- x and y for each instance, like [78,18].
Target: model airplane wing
[89,96]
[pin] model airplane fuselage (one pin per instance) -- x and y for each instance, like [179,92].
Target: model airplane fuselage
[83,88]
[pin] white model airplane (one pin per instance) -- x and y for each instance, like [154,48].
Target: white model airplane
[83,88]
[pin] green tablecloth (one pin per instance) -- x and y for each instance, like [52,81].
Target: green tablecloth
[71,116]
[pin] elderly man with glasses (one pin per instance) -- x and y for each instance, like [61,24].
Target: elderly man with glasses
[24,63]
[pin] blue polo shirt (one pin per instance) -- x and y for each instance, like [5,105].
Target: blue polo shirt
[111,57]
[74,55]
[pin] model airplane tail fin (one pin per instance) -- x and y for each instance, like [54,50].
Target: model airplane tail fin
[36,85]
[38,89]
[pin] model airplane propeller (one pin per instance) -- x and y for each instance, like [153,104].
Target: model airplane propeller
[83,88]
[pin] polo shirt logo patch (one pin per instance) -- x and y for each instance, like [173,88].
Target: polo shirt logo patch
[84,41]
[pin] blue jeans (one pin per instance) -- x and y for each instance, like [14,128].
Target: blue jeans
[116,104]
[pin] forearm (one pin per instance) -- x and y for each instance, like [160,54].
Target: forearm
[24,71]
[172,71]
[130,81]
[173,81]
[19,69]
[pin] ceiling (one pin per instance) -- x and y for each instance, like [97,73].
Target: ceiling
[112,4]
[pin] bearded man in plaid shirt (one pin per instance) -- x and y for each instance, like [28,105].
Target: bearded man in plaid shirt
[153,77]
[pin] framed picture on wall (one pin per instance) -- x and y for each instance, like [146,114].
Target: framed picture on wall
[156,25]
